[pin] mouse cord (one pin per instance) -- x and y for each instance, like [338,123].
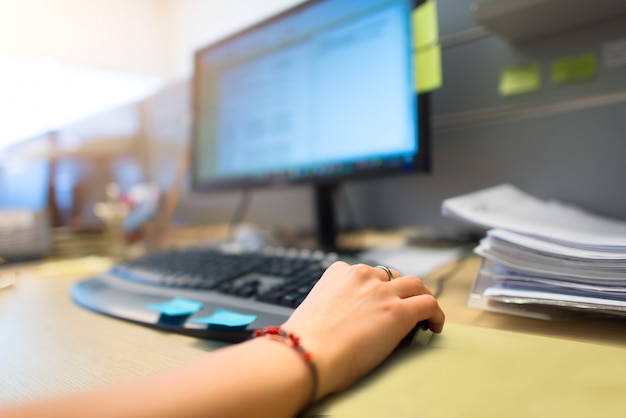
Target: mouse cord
[443,278]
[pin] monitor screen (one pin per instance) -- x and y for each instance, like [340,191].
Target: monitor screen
[320,93]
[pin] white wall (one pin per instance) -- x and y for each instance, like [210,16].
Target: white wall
[155,38]
[120,35]
[152,37]
[195,23]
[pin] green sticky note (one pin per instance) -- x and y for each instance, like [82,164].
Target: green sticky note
[521,79]
[176,307]
[573,69]
[425,26]
[226,318]
[427,65]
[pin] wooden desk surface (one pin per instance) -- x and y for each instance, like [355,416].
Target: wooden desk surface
[50,346]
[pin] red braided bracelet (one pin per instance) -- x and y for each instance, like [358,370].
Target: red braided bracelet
[294,342]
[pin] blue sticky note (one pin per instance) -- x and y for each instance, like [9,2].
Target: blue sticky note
[225,318]
[176,307]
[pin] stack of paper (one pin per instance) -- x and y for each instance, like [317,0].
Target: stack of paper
[541,255]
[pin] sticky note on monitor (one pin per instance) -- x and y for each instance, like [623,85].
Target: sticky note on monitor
[573,69]
[176,307]
[520,79]
[226,318]
[426,48]
[425,25]
[427,62]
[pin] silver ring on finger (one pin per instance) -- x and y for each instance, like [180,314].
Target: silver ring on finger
[389,273]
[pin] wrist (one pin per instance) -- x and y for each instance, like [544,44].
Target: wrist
[292,341]
[325,357]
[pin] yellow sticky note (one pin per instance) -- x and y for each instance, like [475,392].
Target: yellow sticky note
[425,26]
[573,69]
[427,64]
[522,79]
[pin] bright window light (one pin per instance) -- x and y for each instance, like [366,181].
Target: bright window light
[41,96]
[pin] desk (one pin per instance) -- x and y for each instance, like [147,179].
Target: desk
[50,346]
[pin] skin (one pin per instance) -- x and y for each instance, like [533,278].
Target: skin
[351,307]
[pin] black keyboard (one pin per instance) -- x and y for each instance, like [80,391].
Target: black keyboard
[265,283]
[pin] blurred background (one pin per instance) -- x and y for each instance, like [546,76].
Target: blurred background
[98,91]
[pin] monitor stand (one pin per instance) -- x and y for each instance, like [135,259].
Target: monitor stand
[326,229]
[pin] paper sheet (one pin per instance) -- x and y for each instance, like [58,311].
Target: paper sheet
[543,253]
[547,247]
[507,207]
[535,296]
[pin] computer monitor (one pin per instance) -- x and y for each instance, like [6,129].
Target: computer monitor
[321,93]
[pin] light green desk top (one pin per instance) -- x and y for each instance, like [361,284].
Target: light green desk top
[483,365]
[469,371]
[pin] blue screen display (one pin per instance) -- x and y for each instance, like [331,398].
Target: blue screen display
[324,90]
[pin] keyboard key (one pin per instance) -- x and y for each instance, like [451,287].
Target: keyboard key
[276,276]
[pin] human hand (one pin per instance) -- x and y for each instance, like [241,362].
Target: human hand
[355,316]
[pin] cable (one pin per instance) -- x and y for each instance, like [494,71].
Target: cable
[442,279]
[350,224]
[240,211]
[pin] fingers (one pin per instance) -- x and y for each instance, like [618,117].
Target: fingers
[408,286]
[390,274]
[420,301]
[405,286]
[417,296]
[427,308]
[365,272]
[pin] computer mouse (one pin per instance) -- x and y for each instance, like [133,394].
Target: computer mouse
[419,336]
[417,339]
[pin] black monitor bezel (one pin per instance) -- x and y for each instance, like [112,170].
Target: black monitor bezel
[421,161]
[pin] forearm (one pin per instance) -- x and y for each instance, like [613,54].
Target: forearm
[350,321]
[257,378]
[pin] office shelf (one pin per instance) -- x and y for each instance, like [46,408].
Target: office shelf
[526,20]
